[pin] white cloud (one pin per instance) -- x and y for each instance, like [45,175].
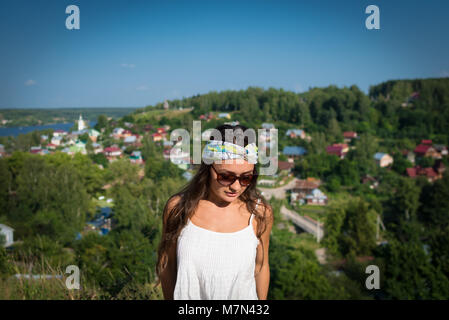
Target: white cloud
[128,65]
[30,82]
[444,73]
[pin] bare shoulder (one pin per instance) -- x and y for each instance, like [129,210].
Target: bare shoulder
[265,210]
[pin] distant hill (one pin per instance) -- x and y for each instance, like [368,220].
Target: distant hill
[432,91]
[413,109]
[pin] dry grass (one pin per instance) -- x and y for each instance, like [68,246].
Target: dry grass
[13,288]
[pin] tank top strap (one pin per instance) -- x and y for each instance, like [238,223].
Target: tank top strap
[252,215]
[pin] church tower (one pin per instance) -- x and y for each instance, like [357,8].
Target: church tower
[81,124]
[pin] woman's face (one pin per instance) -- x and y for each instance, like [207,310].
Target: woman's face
[238,168]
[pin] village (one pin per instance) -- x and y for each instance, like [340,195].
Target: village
[306,193]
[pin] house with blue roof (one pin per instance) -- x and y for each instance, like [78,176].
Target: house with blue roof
[130,140]
[294,151]
[267,126]
[79,132]
[316,197]
[224,115]
[383,159]
[167,143]
[56,140]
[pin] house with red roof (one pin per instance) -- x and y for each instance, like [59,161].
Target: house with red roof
[349,136]
[431,173]
[162,132]
[286,166]
[156,137]
[426,150]
[305,186]
[59,133]
[112,153]
[338,149]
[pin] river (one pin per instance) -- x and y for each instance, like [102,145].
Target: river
[15,131]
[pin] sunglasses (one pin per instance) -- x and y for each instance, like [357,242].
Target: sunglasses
[226,179]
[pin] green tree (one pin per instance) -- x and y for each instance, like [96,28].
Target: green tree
[5,186]
[84,137]
[102,122]
[403,204]
[296,274]
[409,273]
[351,227]
[363,154]
[400,164]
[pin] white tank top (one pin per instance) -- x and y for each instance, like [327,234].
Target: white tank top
[216,265]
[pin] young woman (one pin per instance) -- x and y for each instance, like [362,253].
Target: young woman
[216,230]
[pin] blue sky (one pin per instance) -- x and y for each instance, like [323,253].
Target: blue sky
[138,53]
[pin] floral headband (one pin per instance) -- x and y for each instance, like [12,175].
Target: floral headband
[218,150]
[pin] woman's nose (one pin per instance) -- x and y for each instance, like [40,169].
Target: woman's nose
[236,185]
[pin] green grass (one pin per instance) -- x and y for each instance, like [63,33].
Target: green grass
[102,203]
[158,114]
[314,212]
[308,241]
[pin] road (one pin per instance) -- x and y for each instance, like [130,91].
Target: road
[278,193]
[307,224]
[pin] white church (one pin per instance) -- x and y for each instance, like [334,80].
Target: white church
[81,124]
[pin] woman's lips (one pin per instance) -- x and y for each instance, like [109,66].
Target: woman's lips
[231,194]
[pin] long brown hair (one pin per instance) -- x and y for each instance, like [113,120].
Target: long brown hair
[197,189]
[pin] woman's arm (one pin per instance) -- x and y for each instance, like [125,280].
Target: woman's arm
[169,275]
[263,276]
